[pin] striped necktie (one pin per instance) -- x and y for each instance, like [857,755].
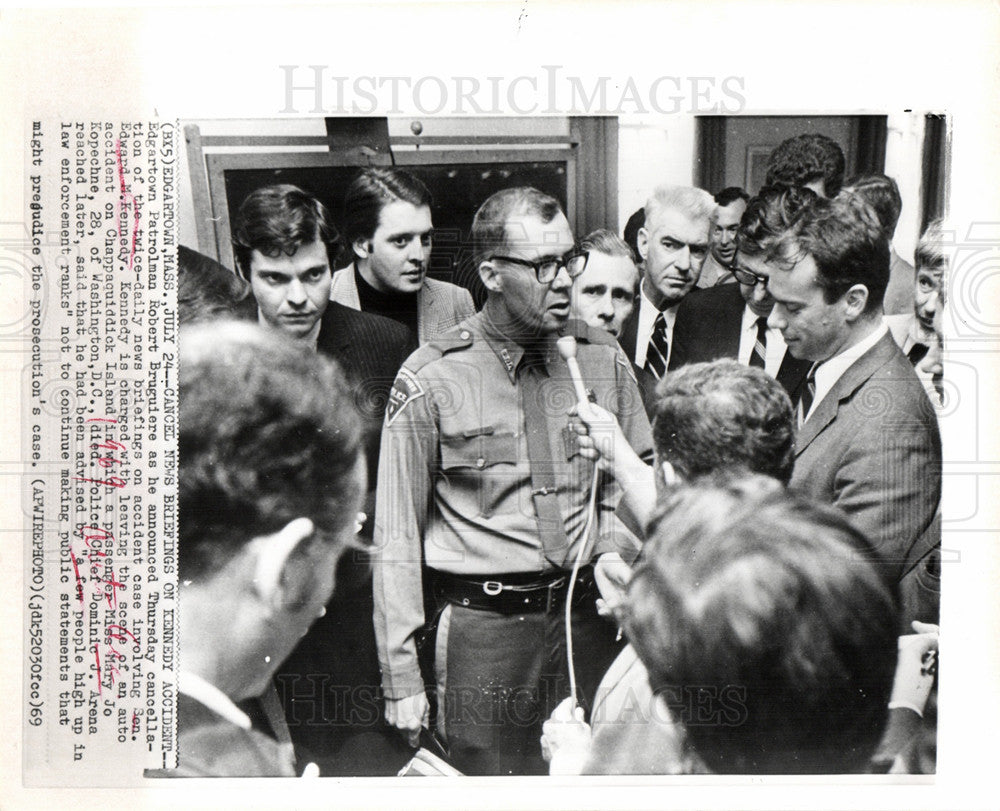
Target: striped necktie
[808,395]
[658,348]
[760,344]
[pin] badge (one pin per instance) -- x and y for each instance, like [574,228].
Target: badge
[405,389]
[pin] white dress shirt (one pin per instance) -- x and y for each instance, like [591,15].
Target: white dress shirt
[830,371]
[775,346]
[206,693]
[644,328]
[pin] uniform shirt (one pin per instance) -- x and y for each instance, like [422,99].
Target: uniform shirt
[454,485]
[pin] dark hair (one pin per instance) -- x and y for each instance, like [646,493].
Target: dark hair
[766,611]
[206,289]
[489,226]
[730,195]
[846,241]
[723,414]
[806,159]
[882,194]
[371,191]
[632,228]
[605,241]
[268,434]
[280,219]
[769,216]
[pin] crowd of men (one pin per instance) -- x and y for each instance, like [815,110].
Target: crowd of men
[701,537]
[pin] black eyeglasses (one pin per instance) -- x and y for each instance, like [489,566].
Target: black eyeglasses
[545,271]
[748,278]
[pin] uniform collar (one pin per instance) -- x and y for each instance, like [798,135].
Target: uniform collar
[508,351]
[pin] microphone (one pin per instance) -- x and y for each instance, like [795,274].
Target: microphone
[567,351]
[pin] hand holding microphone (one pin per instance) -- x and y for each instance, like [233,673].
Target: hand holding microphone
[597,430]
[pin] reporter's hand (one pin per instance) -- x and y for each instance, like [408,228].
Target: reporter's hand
[566,739]
[408,715]
[597,430]
[611,574]
[915,668]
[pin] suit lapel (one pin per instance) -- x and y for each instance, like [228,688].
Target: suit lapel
[856,375]
[630,328]
[345,289]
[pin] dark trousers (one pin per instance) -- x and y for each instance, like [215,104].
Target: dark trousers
[499,677]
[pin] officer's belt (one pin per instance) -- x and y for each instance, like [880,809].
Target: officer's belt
[514,593]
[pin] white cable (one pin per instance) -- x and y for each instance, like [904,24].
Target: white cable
[567,349]
[591,510]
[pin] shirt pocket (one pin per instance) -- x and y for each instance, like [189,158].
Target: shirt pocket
[479,467]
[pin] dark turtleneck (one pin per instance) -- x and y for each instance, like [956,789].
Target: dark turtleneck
[401,307]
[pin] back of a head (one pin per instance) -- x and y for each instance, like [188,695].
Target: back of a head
[882,194]
[723,415]
[205,289]
[371,191]
[280,219]
[771,214]
[489,225]
[268,434]
[806,159]
[846,241]
[766,628]
[631,232]
[730,195]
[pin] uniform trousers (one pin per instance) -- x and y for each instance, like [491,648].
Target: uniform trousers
[500,676]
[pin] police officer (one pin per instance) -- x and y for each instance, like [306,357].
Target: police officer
[481,480]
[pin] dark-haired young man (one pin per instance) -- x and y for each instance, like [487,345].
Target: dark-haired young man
[868,440]
[389,229]
[285,241]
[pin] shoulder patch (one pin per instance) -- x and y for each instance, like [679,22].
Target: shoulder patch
[405,389]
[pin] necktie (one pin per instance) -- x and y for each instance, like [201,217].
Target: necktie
[808,395]
[548,515]
[917,353]
[658,348]
[760,345]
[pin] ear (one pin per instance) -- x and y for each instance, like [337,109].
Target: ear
[492,278]
[855,300]
[273,553]
[642,242]
[362,247]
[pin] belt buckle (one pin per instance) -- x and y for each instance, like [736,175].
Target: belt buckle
[492,587]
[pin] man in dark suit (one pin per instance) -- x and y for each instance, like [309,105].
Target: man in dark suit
[730,320]
[284,241]
[673,244]
[868,440]
[271,481]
